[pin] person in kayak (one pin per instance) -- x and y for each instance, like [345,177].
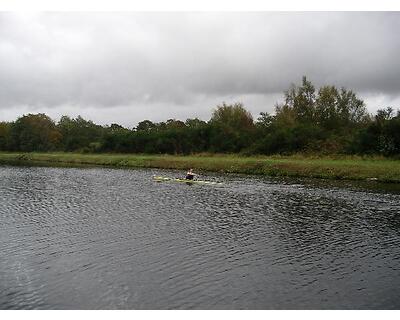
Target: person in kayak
[190,175]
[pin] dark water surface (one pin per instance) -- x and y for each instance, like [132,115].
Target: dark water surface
[114,239]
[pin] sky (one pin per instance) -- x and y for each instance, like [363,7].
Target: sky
[125,67]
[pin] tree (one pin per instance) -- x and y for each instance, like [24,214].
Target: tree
[285,116]
[4,135]
[302,101]
[175,124]
[79,133]
[234,116]
[114,127]
[380,136]
[383,115]
[323,120]
[232,128]
[195,123]
[145,125]
[351,109]
[326,108]
[34,132]
[264,121]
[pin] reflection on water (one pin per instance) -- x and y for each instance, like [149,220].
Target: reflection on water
[114,239]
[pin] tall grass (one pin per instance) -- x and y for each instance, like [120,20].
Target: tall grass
[327,167]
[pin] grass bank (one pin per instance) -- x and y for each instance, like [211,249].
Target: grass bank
[351,168]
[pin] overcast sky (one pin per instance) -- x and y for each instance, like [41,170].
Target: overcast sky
[126,67]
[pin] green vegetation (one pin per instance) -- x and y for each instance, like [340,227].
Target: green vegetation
[345,167]
[328,122]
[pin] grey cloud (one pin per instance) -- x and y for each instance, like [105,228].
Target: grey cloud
[169,62]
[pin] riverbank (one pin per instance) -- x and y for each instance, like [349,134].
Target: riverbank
[340,168]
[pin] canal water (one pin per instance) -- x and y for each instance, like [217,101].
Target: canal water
[96,238]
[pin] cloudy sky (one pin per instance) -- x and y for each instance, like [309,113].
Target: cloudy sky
[126,67]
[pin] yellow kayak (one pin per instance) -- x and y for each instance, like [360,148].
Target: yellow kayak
[162,179]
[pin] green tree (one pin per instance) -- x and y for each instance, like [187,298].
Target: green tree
[4,135]
[326,108]
[324,121]
[114,127]
[380,136]
[351,109]
[234,116]
[195,123]
[302,101]
[175,124]
[34,132]
[285,116]
[232,128]
[145,125]
[264,121]
[79,133]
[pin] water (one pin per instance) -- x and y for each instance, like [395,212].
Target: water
[114,239]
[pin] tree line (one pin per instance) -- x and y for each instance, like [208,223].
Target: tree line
[327,120]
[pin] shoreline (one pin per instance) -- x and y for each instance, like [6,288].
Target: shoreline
[324,167]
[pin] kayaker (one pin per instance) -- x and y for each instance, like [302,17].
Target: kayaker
[190,175]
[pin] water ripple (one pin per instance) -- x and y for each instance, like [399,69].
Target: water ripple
[114,239]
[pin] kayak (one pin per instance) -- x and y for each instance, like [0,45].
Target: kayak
[161,179]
